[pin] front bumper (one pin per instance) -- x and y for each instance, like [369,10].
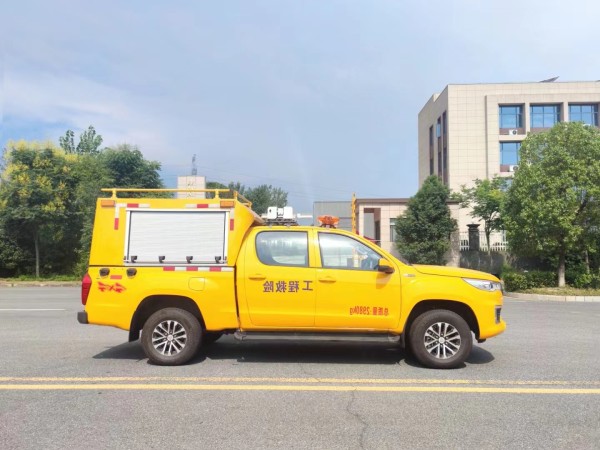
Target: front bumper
[82,317]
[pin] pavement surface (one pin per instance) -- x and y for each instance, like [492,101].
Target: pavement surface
[66,385]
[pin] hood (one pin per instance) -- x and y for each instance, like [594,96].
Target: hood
[454,272]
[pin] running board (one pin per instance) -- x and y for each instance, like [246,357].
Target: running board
[294,336]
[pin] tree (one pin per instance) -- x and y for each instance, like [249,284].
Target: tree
[36,198]
[89,142]
[424,229]
[551,208]
[232,186]
[92,175]
[261,196]
[128,168]
[485,199]
[67,142]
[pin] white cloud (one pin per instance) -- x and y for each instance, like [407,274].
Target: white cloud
[318,97]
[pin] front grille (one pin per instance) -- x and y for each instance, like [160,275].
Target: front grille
[498,311]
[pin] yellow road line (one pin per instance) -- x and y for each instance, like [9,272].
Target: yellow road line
[315,380]
[259,387]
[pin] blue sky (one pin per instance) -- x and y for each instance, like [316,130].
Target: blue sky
[317,97]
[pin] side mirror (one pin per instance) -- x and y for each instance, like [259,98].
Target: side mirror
[385,266]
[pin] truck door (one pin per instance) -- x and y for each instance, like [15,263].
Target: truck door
[279,283]
[351,292]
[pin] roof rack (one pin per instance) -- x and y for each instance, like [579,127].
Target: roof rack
[217,192]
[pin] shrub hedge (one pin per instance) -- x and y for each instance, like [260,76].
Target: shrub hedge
[521,281]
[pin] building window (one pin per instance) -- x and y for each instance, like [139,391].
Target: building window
[509,153]
[544,116]
[431,150]
[444,125]
[511,116]
[393,235]
[587,114]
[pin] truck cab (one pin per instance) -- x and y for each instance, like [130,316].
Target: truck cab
[184,272]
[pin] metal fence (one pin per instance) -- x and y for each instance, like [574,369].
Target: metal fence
[498,241]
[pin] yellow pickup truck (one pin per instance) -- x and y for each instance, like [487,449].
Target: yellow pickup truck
[184,271]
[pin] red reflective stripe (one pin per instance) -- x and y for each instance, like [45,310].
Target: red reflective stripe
[116,277]
[169,269]
[116,223]
[191,269]
[215,269]
[133,205]
[202,205]
[231,224]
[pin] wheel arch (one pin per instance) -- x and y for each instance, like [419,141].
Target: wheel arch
[154,303]
[459,308]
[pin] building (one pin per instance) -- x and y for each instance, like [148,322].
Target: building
[376,220]
[191,182]
[471,131]
[341,209]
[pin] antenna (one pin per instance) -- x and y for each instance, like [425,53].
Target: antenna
[194,167]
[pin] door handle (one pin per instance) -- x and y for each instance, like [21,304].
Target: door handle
[257,277]
[327,279]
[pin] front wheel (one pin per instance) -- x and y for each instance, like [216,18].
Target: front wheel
[440,339]
[171,336]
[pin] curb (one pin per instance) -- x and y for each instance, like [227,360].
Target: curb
[554,298]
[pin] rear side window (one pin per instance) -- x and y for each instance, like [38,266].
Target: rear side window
[282,248]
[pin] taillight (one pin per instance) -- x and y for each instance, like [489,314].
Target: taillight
[86,285]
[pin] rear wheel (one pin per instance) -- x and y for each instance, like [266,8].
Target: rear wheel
[440,339]
[171,336]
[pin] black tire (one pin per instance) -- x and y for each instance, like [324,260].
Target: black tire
[449,353]
[210,337]
[176,334]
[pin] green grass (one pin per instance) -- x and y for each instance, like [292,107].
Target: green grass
[43,278]
[567,290]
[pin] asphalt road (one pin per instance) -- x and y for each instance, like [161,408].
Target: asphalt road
[66,385]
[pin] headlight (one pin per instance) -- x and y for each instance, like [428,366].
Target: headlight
[484,285]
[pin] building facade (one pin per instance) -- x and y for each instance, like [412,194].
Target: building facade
[191,182]
[471,131]
[376,220]
[474,131]
[341,209]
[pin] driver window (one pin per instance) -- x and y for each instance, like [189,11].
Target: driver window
[342,252]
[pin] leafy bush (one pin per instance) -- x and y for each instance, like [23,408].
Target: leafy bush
[587,280]
[514,281]
[539,278]
[521,281]
[573,272]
